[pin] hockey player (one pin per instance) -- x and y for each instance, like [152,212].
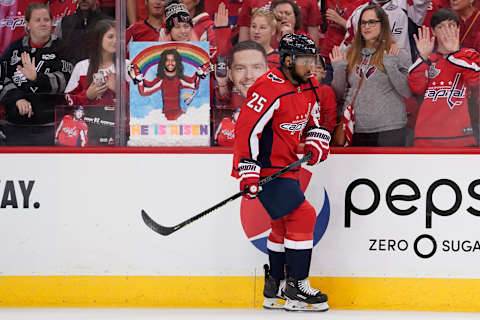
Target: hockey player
[443,76]
[279,111]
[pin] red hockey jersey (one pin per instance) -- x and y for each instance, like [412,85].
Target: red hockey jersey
[69,131]
[272,122]
[443,118]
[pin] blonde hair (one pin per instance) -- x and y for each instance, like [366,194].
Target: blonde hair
[267,14]
[383,43]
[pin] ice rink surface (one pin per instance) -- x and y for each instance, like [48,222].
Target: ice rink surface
[244,314]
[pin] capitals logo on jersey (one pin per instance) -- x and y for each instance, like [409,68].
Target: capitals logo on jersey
[447,90]
[296,125]
[433,71]
[256,221]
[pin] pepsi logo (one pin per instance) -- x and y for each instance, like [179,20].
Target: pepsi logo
[256,221]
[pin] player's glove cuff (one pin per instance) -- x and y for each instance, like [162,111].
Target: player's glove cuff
[249,172]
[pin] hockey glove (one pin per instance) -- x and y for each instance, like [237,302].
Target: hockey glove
[317,142]
[249,171]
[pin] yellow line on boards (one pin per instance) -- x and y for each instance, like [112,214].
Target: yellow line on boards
[234,292]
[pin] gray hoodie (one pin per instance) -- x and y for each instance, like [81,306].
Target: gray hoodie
[379,105]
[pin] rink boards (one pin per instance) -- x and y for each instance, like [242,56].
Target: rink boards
[394,231]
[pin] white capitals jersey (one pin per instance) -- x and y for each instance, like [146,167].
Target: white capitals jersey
[401,15]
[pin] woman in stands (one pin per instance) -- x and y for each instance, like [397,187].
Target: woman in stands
[262,29]
[33,81]
[377,74]
[93,80]
[289,19]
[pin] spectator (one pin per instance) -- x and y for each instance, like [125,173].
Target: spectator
[469,22]
[307,9]
[108,7]
[33,80]
[433,6]
[93,80]
[405,19]
[336,16]
[178,25]
[12,14]
[289,19]
[202,23]
[262,30]
[150,28]
[73,29]
[326,96]
[136,11]
[443,77]
[377,74]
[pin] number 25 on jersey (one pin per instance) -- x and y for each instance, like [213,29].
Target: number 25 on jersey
[257,102]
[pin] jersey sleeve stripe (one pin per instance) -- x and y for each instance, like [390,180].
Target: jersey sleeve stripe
[415,65]
[464,64]
[253,141]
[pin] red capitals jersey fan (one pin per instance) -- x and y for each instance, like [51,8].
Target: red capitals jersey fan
[69,132]
[273,140]
[443,119]
[12,15]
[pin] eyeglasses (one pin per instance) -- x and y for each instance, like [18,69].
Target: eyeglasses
[371,23]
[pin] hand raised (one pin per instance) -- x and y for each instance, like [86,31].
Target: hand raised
[424,41]
[336,55]
[28,67]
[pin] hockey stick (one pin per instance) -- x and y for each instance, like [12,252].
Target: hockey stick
[165,231]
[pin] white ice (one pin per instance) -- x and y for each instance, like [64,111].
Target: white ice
[211,314]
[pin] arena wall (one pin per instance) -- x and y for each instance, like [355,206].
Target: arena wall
[395,231]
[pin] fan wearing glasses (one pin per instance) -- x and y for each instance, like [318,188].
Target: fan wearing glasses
[373,75]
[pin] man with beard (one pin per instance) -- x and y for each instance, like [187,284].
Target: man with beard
[279,113]
[170,79]
[73,29]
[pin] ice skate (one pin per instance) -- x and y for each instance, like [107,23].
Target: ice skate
[273,291]
[301,297]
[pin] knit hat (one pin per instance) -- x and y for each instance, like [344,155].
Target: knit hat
[175,13]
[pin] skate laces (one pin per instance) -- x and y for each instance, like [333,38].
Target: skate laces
[304,285]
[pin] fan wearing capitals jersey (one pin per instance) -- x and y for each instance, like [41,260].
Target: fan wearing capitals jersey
[443,76]
[281,110]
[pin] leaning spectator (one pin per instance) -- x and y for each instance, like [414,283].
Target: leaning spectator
[377,74]
[73,29]
[308,9]
[469,21]
[93,80]
[150,28]
[443,77]
[33,81]
[262,29]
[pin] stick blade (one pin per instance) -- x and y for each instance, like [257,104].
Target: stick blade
[164,231]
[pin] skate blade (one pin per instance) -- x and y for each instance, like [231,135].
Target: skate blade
[273,303]
[294,305]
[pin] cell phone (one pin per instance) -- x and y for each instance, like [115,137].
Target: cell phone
[99,78]
[221,67]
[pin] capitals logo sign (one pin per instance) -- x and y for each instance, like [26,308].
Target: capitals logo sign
[256,221]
